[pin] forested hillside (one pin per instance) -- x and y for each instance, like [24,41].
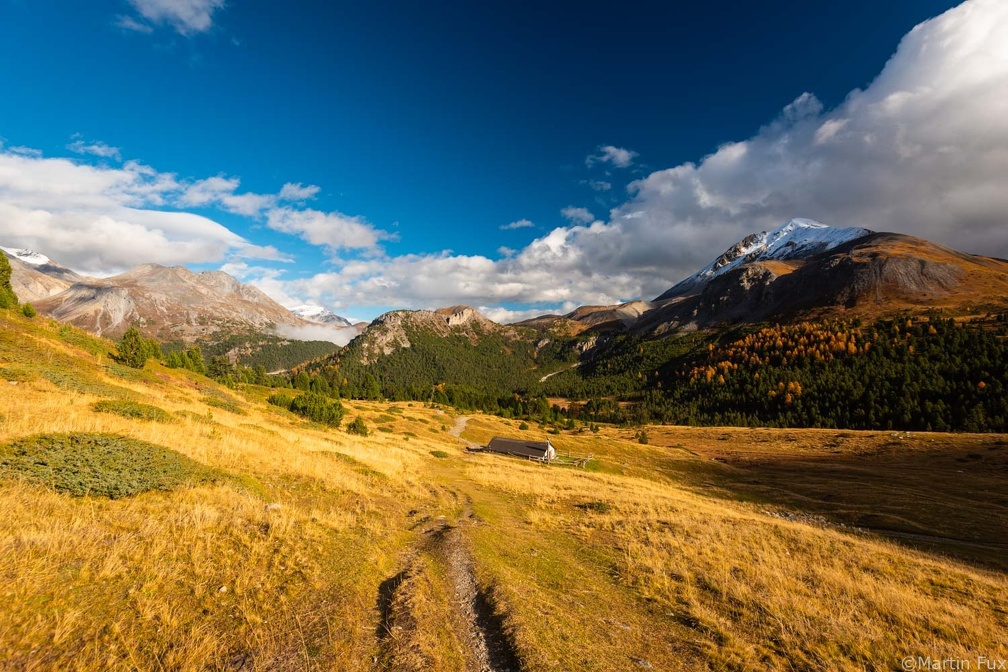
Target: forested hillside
[470,370]
[910,373]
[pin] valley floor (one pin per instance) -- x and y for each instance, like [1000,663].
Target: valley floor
[311,549]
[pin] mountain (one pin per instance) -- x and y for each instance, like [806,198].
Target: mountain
[398,329]
[796,239]
[803,270]
[35,276]
[166,303]
[321,315]
[420,353]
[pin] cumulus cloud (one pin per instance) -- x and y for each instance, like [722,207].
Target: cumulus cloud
[79,146]
[577,215]
[186,17]
[520,224]
[298,192]
[333,230]
[100,220]
[220,191]
[616,156]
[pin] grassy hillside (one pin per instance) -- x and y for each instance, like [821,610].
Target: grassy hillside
[270,543]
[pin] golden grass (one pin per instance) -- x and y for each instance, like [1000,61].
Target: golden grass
[714,548]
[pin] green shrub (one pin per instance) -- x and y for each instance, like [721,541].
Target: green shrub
[642,437]
[318,408]
[440,454]
[28,310]
[132,409]
[225,404]
[132,349]
[523,426]
[280,399]
[357,427]
[102,465]
[8,299]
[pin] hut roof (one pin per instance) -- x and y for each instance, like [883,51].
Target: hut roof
[500,444]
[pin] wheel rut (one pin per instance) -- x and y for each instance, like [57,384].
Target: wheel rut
[466,614]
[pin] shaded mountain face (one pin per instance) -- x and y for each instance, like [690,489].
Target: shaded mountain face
[166,303]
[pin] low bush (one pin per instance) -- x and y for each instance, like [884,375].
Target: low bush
[132,409]
[357,427]
[229,406]
[280,399]
[318,408]
[101,465]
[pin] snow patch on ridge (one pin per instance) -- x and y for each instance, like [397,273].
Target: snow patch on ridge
[321,315]
[796,239]
[27,256]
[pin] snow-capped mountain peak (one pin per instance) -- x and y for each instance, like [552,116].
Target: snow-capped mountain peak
[321,315]
[27,256]
[797,238]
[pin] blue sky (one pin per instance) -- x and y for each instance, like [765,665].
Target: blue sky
[522,158]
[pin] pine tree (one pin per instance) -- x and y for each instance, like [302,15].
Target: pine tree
[132,350]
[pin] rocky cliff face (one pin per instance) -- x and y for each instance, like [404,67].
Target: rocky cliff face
[390,332]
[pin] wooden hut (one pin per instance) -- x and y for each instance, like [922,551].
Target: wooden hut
[533,450]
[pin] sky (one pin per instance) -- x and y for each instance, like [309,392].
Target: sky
[522,158]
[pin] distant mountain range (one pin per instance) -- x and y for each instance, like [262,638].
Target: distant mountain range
[168,303]
[802,268]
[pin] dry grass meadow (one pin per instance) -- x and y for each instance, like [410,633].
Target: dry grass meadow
[311,549]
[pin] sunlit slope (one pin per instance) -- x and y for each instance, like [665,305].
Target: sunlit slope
[275,544]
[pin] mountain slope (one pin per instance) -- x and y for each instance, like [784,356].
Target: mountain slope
[869,275]
[167,303]
[796,239]
[35,276]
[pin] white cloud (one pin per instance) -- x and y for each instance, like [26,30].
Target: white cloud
[79,146]
[317,332]
[576,215]
[599,185]
[26,151]
[129,23]
[220,191]
[616,156]
[333,230]
[101,220]
[298,192]
[520,224]
[185,16]
[506,316]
